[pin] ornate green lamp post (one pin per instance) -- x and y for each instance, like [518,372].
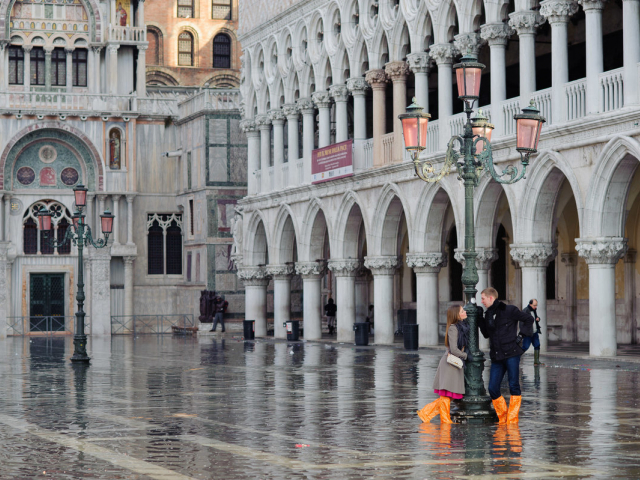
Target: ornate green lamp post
[471,155]
[80,235]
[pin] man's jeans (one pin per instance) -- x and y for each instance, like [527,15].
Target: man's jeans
[218,318]
[527,341]
[511,366]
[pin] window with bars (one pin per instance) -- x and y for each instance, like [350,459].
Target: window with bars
[79,69]
[58,67]
[35,241]
[37,66]
[185,49]
[164,242]
[30,237]
[185,8]
[16,66]
[221,9]
[221,51]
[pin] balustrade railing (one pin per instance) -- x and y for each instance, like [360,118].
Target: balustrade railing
[258,182]
[367,155]
[300,171]
[286,181]
[509,109]
[210,99]
[62,102]
[271,178]
[387,148]
[612,90]
[158,106]
[542,99]
[127,34]
[456,123]
[576,97]
[433,137]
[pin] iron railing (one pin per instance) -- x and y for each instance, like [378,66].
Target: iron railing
[149,324]
[45,325]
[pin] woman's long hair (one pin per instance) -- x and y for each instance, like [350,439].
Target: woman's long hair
[453,317]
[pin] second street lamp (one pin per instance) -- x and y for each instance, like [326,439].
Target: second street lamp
[471,155]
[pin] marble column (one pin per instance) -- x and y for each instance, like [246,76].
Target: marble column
[358,86]
[89,210]
[115,199]
[427,267]
[128,285]
[253,153]
[4,71]
[141,73]
[398,72]
[7,217]
[277,121]
[69,52]
[27,67]
[312,273]
[630,294]
[323,102]
[307,109]
[5,294]
[526,23]
[345,271]
[496,36]
[533,259]
[101,199]
[112,70]
[443,54]
[140,14]
[47,68]
[264,125]
[95,72]
[292,112]
[419,65]
[468,43]
[3,235]
[570,261]
[100,291]
[631,50]
[384,270]
[362,295]
[558,13]
[281,275]
[378,81]
[130,197]
[340,95]
[593,25]
[255,280]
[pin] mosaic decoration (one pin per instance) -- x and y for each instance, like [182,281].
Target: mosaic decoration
[69,176]
[47,177]
[15,206]
[123,13]
[51,16]
[115,149]
[48,154]
[26,175]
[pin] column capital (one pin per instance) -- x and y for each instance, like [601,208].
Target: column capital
[248,125]
[397,71]
[306,105]
[116,196]
[113,49]
[357,86]
[69,50]
[96,49]
[128,260]
[3,44]
[281,272]
[142,48]
[276,116]
[383,265]
[254,276]
[344,267]
[570,259]
[496,33]
[426,262]
[603,250]
[263,122]
[311,269]
[377,79]
[485,257]
[533,254]
[27,48]
[525,22]
[102,197]
[468,43]
[130,197]
[48,50]
[558,11]
[322,99]
[592,4]
[443,53]
[340,93]
[419,62]
[291,111]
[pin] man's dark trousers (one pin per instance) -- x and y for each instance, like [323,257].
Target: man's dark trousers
[510,366]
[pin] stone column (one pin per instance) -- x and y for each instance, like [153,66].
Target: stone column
[89,210]
[630,293]
[362,294]
[534,259]
[308,134]
[292,113]
[4,63]
[264,125]
[255,281]
[312,273]
[468,43]
[526,24]
[140,14]
[281,297]
[130,197]
[141,73]
[340,95]
[69,52]
[358,86]
[602,255]
[7,217]
[427,267]
[128,285]
[115,199]
[101,291]
[593,25]
[631,50]
[112,70]
[443,54]
[253,153]
[3,235]
[345,272]
[5,282]
[496,36]
[378,81]
[323,102]
[570,261]
[95,72]
[558,13]
[397,72]
[384,270]
[27,67]
[101,200]
[277,120]
[47,68]
[419,65]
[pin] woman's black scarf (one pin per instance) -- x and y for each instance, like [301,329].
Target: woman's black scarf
[463,334]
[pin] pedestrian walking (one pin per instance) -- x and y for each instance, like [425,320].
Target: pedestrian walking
[330,311]
[449,380]
[369,320]
[500,325]
[220,307]
[532,309]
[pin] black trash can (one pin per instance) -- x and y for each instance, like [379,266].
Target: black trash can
[410,332]
[362,333]
[249,329]
[293,330]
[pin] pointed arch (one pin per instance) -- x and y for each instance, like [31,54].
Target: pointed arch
[256,241]
[429,234]
[285,236]
[347,226]
[314,226]
[392,204]
[487,198]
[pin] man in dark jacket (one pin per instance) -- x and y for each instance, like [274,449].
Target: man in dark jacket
[500,326]
[220,306]
[532,309]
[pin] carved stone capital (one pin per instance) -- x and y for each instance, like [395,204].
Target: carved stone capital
[426,262]
[533,254]
[306,105]
[254,276]
[496,33]
[569,259]
[558,11]
[113,49]
[468,43]
[385,265]
[281,272]
[263,122]
[397,71]
[130,197]
[277,117]
[322,99]
[27,48]
[345,267]
[340,93]
[604,250]
[443,53]
[592,4]
[485,257]
[128,261]
[419,62]
[291,111]
[248,126]
[376,78]
[311,269]
[526,22]
[357,86]
[96,49]
[142,48]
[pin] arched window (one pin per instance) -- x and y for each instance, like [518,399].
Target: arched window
[79,58]
[153,51]
[174,249]
[155,240]
[221,9]
[164,244]
[58,67]
[185,50]
[35,241]
[37,66]
[185,8]
[16,66]
[221,51]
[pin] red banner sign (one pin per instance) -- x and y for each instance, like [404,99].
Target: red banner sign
[332,162]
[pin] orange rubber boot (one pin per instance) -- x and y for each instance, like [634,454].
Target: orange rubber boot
[429,411]
[514,408]
[445,409]
[500,406]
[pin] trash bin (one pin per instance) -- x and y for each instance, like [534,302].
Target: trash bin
[410,332]
[362,333]
[293,330]
[249,329]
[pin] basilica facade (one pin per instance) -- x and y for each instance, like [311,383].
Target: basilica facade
[320,73]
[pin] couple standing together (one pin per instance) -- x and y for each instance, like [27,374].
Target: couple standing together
[500,325]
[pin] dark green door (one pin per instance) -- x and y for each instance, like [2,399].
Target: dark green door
[47,302]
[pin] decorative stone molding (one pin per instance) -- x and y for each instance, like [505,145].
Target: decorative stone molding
[419,62]
[236,260]
[526,22]
[96,49]
[592,4]
[281,272]
[277,117]
[397,71]
[357,86]
[340,93]
[306,105]
[426,262]
[377,78]
[533,254]
[468,43]
[443,53]
[263,122]
[27,48]
[346,267]
[113,49]
[485,257]
[291,110]
[248,126]
[254,276]
[311,269]
[496,33]
[558,11]
[603,250]
[385,265]
[569,259]
[322,99]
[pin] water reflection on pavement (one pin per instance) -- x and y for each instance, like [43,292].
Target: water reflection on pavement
[181,408]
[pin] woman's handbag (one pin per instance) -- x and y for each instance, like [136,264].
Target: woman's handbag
[455,361]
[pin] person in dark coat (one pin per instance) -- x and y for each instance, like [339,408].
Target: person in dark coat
[220,306]
[532,309]
[500,326]
[330,311]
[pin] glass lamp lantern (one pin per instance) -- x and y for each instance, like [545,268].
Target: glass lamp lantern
[528,127]
[414,128]
[80,193]
[106,221]
[44,219]
[481,127]
[468,76]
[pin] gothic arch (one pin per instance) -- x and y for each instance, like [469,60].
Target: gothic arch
[488,195]
[195,48]
[285,236]
[256,241]
[350,215]
[386,221]
[223,80]
[157,31]
[429,230]
[158,77]
[314,226]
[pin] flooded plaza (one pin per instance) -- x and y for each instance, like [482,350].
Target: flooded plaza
[161,407]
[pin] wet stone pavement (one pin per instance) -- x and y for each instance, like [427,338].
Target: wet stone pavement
[160,407]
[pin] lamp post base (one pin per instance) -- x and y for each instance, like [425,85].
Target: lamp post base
[473,410]
[80,349]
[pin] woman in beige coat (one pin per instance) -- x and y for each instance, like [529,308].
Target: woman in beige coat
[449,380]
